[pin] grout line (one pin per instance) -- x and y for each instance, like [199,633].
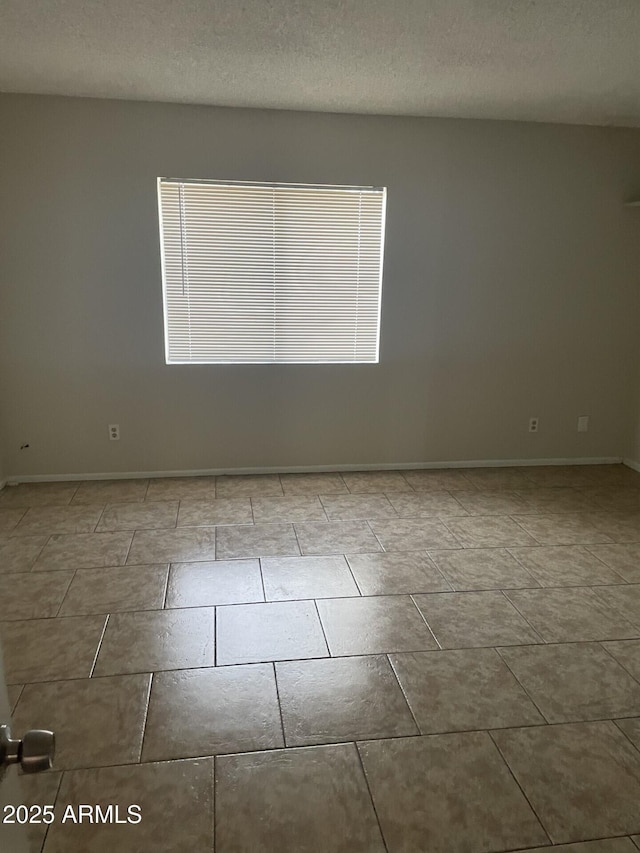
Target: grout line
[54,804]
[513,776]
[146,716]
[351,573]
[264,591]
[522,615]
[133,533]
[15,704]
[66,592]
[403,691]
[620,729]
[424,618]
[95,657]
[166,589]
[295,533]
[450,587]
[324,633]
[619,662]
[522,686]
[373,804]
[275,679]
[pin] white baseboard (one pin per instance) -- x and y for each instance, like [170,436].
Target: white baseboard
[313,469]
[630,463]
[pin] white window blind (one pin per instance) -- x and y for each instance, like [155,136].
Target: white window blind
[271,273]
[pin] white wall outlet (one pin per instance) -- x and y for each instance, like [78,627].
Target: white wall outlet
[583,423]
[533,424]
[114,432]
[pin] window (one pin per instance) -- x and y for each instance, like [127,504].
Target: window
[270,272]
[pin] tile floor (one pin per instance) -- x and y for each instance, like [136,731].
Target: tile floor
[403,661]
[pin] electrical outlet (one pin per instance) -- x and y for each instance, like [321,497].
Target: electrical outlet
[583,423]
[533,424]
[114,432]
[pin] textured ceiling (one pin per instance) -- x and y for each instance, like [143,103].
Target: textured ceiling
[575,61]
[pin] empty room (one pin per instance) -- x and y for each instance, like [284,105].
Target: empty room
[320,426]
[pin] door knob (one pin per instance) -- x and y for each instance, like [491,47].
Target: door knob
[34,753]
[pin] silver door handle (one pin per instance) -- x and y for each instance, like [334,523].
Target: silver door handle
[34,753]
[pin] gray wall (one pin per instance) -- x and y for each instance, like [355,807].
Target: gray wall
[510,291]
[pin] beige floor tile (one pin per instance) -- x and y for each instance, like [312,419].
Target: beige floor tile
[623,559]
[210,711]
[110,491]
[138,516]
[496,502]
[256,540]
[625,599]
[336,537]
[574,682]
[436,479]
[498,478]
[613,498]
[603,845]
[553,476]
[313,484]
[631,728]
[9,519]
[425,504]
[616,474]
[481,568]
[326,701]
[555,499]
[249,486]
[19,553]
[619,526]
[115,589]
[562,529]
[50,649]
[152,640]
[466,802]
[489,531]
[347,507]
[473,619]
[375,482]
[468,689]
[207,513]
[218,582]
[292,508]
[165,546]
[565,565]
[97,721]
[33,595]
[37,494]
[282,630]
[628,654]
[570,615]
[413,534]
[175,800]
[316,800]
[306,577]
[39,789]
[59,519]
[84,551]
[373,625]
[179,488]
[568,771]
[396,572]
